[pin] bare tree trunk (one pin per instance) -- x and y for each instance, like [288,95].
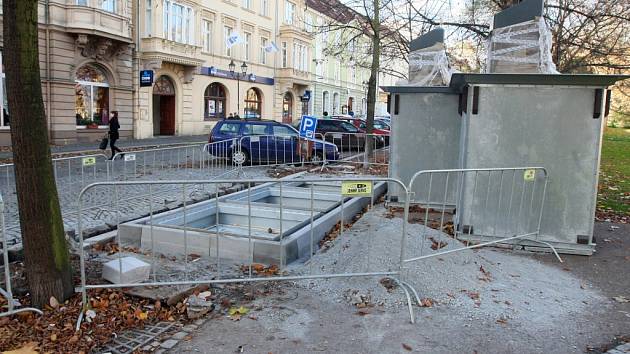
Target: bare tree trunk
[374,70]
[45,251]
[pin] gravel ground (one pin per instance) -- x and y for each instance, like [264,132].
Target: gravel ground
[488,300]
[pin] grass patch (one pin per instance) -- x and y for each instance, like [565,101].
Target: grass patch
[614,175]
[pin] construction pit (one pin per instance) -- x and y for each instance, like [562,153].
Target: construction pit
[272,223]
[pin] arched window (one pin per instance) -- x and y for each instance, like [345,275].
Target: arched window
[214,101]
[325,102]
[253,104]
[287,108]
[336,102]
[91,97]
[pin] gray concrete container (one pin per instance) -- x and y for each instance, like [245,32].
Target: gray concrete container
[509,120]
[424,136]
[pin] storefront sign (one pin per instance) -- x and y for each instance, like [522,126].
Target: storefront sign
[356,189]
[146,78]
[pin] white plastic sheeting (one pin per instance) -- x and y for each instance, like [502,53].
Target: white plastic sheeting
[429,67]
[521,48]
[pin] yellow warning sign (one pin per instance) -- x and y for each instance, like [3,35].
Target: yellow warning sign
[356,188]
[529,175]
[89,161]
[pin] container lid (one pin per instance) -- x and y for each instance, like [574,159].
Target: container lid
[461,80]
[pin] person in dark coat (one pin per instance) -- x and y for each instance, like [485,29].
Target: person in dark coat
[114,126]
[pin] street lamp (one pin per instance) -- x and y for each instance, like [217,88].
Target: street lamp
[238,76]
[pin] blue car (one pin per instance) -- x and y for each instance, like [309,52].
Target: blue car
[264,141]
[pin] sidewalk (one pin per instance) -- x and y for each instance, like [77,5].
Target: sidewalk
[123,143]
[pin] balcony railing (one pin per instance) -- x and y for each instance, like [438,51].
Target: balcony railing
[171,51]
[103,18]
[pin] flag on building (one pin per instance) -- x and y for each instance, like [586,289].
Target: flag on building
[232,39]
[271,48]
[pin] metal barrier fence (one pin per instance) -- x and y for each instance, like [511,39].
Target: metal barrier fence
[479,207]
[71,173]
[352,146]
[188,161]
[8,293]
[275,221]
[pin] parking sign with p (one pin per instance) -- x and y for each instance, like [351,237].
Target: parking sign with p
[308,125]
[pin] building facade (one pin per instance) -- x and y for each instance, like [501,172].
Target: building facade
[85,51]
[92,53]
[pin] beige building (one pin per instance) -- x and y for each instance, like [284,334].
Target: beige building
[92,53]
[86,68]
[183,43]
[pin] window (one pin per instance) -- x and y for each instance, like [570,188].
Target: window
[326,101]
[284,54]
[253,104]
[91,97]
[206,36]
[248,41]
[227,31]
[349,127]
[282,130]
[109,5]
[380,125]
[178,22]
[337,70]
[308,23]
[289,12]
[230,128]
[247,4]
[255,129]
[5,119]
[300,57]
[335,108]
[264,5]
[214,101]
[263,52]
[148,19]
[82,2]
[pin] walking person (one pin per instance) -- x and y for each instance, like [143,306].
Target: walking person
[113,133]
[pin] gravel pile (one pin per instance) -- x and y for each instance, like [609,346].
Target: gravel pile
[488,284]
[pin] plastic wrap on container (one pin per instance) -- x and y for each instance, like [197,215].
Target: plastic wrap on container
[429,67]
[521,48]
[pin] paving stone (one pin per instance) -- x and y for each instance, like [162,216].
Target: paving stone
[179,335]
[169,343]
[190,328]
[126,270]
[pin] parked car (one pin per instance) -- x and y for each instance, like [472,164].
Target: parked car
[380,126]
[263,141]
[346,136]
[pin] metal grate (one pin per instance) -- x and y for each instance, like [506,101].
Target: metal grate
[131,340]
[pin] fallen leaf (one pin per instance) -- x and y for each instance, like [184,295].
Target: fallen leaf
[407,347]
[426,302]
[621,299]
[28,348]
[363,312]
[53,302]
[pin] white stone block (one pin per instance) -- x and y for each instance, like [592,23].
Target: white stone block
[133,271]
